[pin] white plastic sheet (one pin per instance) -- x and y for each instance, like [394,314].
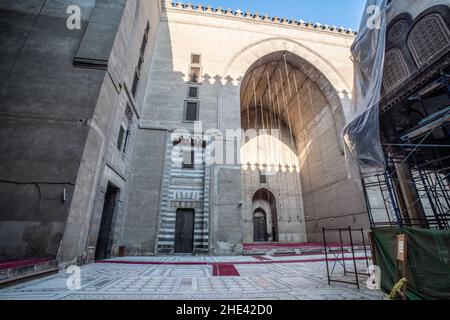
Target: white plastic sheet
[362,132]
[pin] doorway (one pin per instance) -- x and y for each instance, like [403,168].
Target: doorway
[259,226]
[103,248]
[184,231]
[264,198]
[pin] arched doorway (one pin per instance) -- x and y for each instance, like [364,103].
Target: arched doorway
[260,225]
[264,216]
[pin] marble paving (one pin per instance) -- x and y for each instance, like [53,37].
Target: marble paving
[261,281]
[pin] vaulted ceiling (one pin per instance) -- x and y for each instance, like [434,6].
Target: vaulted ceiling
[278,85]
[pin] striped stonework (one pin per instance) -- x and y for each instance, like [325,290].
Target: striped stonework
[184,189]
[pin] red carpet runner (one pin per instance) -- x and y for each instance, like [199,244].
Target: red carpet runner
[21,263]
[225,270]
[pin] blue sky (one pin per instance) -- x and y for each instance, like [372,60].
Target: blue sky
[345,13]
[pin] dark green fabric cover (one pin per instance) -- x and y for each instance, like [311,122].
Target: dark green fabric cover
[428,271]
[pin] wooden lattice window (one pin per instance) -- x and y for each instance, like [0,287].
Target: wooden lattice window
[429,38]
[395,69]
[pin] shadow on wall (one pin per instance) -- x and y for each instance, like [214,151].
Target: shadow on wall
[43,125]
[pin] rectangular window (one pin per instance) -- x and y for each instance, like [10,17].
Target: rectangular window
[137,73]
[188,159]
[144,45]
[193,92]
[129,113]
[135,83]
[121,137]
[262,178]
[195,75]
[195,59]
[127,139]
[127,125]
[191,113]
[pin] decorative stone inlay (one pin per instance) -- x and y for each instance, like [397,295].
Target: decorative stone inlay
[187,204]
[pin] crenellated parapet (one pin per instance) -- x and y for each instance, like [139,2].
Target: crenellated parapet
[238,14]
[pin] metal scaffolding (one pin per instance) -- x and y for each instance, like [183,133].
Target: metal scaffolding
[414,189]
[433,195]
[343,257]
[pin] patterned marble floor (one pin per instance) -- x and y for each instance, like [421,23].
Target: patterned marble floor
[290,280]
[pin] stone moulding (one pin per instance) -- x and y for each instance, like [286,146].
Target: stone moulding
[238,14]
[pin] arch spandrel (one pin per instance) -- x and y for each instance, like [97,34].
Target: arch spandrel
[243,60]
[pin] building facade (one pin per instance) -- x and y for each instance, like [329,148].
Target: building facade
[67,93]
[166,128]
[216,72]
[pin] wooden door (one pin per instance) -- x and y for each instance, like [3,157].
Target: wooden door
[103,247]
[184,231]
[259,227]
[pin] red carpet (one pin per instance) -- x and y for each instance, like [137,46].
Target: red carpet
[21,263]
[225,270]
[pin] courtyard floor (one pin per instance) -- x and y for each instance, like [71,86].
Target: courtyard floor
[199,278]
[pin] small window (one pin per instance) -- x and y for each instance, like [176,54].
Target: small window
[127,140]
[195,75]
[143,45]
[191,111]
[195,59]
[129,113]
[262,178]
[121,137]
[137,73]
[135,83]
[147,29]
[188,159]
[193,92]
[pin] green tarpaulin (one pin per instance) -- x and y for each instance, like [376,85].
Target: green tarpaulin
[428,271]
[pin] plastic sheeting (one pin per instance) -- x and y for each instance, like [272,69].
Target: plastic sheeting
[362,132]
